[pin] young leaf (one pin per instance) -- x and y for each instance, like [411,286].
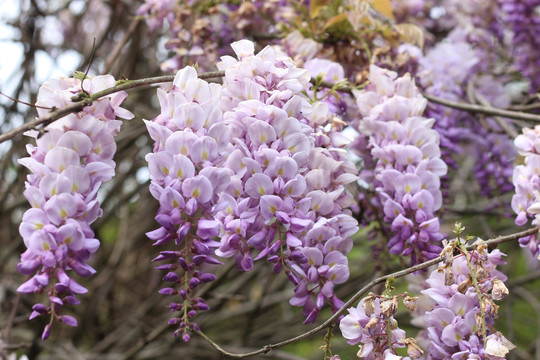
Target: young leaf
[316,6]
[384,7]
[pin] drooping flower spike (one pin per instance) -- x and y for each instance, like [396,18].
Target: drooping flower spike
[187,179]
[68,164]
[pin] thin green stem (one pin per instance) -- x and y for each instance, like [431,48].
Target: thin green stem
[477,288]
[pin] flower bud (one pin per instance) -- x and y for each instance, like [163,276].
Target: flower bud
[389,306]
[464,285]
[448,253]
[499,290]
[413,350]
[449,278]
[410,302]
[46,332]
[369,304]
[371,323]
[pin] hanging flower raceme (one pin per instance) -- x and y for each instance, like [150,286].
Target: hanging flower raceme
[526,200]
[459,326]
[68,164]
[523,20]
[286,198]
[187,180]
[408,167]
[442,72]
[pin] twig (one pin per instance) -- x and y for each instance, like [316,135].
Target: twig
[488,110]
[531,276]
[12,314]
[80,105]
[331,320]
[508,128]
[116,51]
[527,107]
[24,102]
[92,53]
[130,84]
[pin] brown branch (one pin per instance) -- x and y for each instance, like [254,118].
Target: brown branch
[488,110]
[130,84]
[507,127]
[527,107]
[331,320]
[80,105]
[118,48]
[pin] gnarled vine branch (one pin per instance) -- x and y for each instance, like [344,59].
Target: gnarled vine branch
[80,105]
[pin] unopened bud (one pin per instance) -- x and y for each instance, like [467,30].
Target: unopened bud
[369,304]
[46,332]
[481,273]
[371,323]
[448,253]
[389,306]
[449,278]
[464,285]
[413,350]
[410,302]
[499,290]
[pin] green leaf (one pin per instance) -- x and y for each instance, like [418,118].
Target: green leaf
[384,7]
[335,20]
[316,6]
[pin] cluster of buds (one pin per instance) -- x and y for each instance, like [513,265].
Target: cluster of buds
[407,167]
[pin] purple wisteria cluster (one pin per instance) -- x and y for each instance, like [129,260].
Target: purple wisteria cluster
[462,58]
[442,72]
[526,200]
[287,198]
[190,141]
[250,162]
[456,325]
[68,164]
[408,167]
[523,20]
[493,150]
